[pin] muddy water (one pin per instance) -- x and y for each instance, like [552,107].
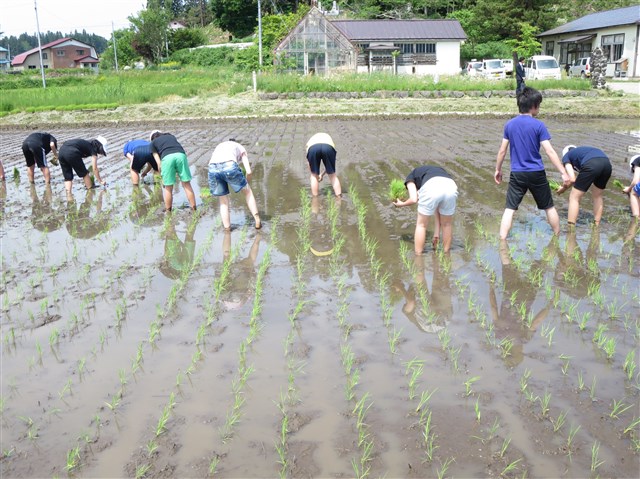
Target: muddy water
[111,320]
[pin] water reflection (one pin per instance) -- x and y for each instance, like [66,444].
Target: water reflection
[44,217]
[145,200]
[83,220]
[439,299]
[242,273]
[514,320]
[178,255]
[576,271]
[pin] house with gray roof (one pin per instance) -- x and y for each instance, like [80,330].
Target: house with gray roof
[617,32]
[322,45]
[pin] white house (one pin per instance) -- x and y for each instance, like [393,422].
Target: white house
[322,45]
[617,32]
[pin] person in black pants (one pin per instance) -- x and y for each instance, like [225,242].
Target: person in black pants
[520,76]
[35,148]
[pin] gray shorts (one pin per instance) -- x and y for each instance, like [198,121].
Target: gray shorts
[438,194]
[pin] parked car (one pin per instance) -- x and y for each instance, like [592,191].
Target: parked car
[472,68]
[581,68]
[493,69]
[508,66]
[542,67]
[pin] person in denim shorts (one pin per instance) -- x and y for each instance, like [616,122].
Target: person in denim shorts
[225,174]
[633,190]
[594,168]
[171,159]
[436,193]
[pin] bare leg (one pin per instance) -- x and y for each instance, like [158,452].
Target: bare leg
[553,219]
[335,184]
[46,173]
[1,171]
[315,183]
[507,221]
[420,234]
[634,202]
[574,205]
[598,203]
[436,229]
[135,177]
[67,186]
[225,214]
[168,197]
[30,173]
[87,181]
[446,223]
[251,203]
[191,196]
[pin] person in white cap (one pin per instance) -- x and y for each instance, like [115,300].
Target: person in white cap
[71,156]
[633,190]
[594,169]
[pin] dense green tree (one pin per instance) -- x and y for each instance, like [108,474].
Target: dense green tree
[151,33]
[525,44]
[124,49]
[185,38]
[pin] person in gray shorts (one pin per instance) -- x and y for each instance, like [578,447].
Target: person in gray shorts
[436,193]
[225,173]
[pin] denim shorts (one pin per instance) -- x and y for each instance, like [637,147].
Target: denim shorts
[223,176]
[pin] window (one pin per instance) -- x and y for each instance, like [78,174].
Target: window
[612,46]
[60,53]
[404,47]
[80,52]
[549,49]
[45,56]
[425,47]
[32,67]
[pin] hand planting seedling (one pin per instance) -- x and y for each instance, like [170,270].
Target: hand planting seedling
[397,190]
[555,186]
[618,184]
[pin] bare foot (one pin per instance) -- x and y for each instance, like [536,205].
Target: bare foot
[435,242]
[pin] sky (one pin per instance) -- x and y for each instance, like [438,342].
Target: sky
[94,16]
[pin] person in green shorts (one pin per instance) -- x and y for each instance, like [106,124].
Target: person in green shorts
[171,159]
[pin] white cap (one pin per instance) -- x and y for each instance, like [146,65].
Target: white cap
[631,160]
[153,133]
[566,149]
[105,143]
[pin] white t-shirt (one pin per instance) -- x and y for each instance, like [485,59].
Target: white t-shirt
[320,138]
[228,151]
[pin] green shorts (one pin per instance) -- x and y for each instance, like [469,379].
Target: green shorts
[172,164]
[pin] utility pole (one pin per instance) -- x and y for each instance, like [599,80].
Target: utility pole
[44,83]
[115,50]
[259,34]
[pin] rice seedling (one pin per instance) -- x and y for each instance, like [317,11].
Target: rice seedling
[559,421]
[213,465]
[595,461]
[468,383]
[397,190]
[618,184]
[429,438]
[477,410]
[632,425]
[506,344]
[592,391]
[629,365]
[425,397]
[554,185]
[544,403]
[609,347]
[618,408]
[415,367]
[580,381]
[444,467]
[394,337]
[505,446]
[584,318]
[73,459]
[510,467]
[114,403]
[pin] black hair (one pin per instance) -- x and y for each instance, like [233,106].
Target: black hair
[156,135]
[232,139]
[97,146]
[521,59]
[528,99]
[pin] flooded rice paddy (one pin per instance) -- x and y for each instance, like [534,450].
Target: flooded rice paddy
[139,345]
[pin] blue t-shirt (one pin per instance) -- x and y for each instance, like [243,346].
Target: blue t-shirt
[580,155]
[130,146]
[525,134]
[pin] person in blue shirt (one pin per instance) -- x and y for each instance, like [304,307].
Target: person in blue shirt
[140,156]
[594,169]
[523,136]
[633,190]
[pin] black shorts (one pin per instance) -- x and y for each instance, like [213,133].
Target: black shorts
[138,163]
[596,171]
[322,152]
[70,163]
[535,181]
[34,154]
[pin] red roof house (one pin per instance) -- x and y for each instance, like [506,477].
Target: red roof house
[63,53]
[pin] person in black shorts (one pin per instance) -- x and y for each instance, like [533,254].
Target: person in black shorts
[320,148]
[35,148]
[73,152]
[594,168]
[140,156]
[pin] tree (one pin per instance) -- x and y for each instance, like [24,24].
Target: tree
[126,54]
[186,38]
[150,33]
[526,44]
[239,17]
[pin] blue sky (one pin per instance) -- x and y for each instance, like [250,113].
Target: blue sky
[94,16]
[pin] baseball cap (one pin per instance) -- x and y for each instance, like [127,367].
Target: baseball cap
[104,142]
[566,149]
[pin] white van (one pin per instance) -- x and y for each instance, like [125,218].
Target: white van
[542,67]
